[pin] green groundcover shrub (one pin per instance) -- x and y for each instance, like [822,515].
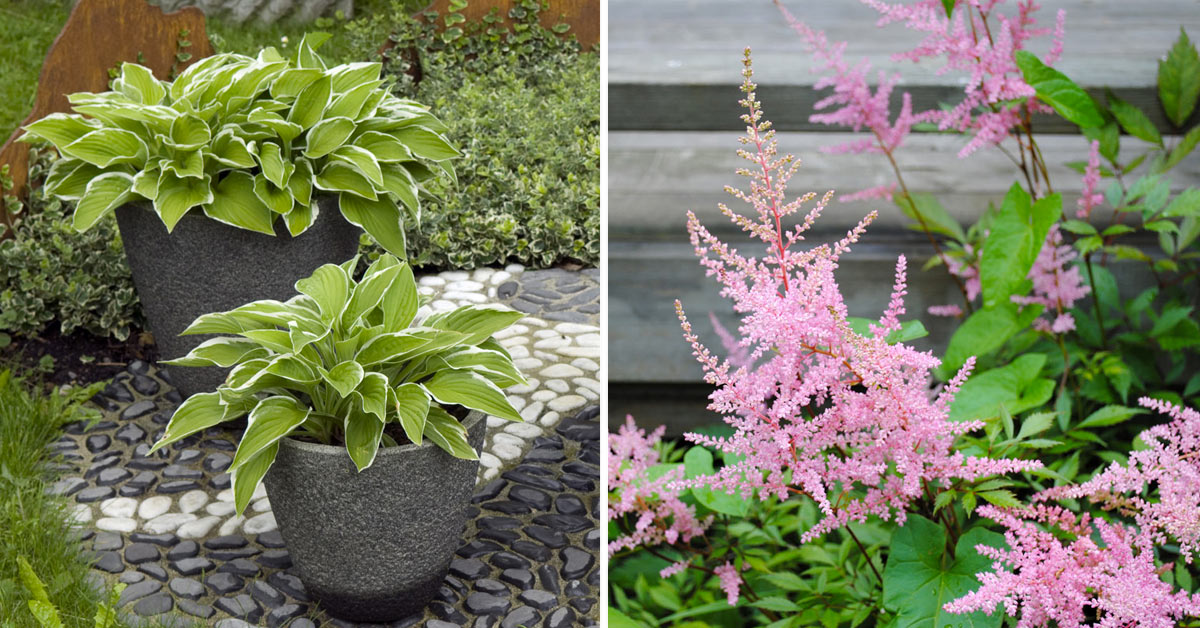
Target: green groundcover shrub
[49,271]
[524,108]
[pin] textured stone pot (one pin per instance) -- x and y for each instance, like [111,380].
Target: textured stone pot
[205,266]
[373,546]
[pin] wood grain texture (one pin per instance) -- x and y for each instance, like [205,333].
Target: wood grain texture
[582,15]
[99,35]
[676,64]
[654,178]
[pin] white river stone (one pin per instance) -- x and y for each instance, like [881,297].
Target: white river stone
[567,403]
[557,385]
[116,524]
[574,328]
[543,395]
[260,523]
[154,506]
[192,501]
[561,370]
[549,419]
[506,451]
[120,507]
[532,411]
[168,522]
[585,364]
[220,509]
[527,431]
[198,528]
[82,513]
[588,340]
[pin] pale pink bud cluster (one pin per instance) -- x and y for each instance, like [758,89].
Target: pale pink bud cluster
[661,516]
[843,418]
[1048,581]
[1090,198]
[1057,284]
[730,581]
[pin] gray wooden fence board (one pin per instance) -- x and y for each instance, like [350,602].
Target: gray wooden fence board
[671,61]
[654,178]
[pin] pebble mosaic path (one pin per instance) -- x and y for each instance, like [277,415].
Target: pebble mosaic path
[164,524]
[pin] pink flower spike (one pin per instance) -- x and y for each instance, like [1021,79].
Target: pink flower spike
[731,580]
[1089,198]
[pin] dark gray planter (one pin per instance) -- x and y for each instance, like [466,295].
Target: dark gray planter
[373,546]
[206,266]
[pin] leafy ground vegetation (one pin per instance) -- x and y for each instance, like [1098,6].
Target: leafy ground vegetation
[1048,477]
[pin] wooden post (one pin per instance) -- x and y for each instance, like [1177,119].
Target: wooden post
[99,35]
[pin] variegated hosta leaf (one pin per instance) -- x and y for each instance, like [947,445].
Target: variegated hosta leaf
[104,194]
[224,352]
[479,322]
[363,433]
[60,129]
[470,391]
[327,135]
[495,366]
[411,403]
[246,478]
[372,395]
[68,178]
[339,176]
[367,294]
[198,412]
[425,143]
[379,218]
[177,195]
[272,419]
[345,377]
[235,204]
[329,287]
[446,432]
[400,303]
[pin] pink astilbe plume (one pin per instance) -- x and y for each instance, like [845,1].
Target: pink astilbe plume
[661,516]
[1090,198]
[976,40]
[854,104]
[1057,284]
[1169,467]
[730,581]
[1044,579]
[848,415]
[980,42]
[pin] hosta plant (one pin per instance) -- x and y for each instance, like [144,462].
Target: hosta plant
[248,140]
[341,364]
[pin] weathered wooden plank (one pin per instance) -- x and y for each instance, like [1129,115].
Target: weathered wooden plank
[712,107]
[654,178]
[670,60]
[99,35]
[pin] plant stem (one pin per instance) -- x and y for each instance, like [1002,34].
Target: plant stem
[1096,301]
[861,548]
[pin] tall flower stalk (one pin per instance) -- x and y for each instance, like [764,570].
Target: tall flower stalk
[827,413]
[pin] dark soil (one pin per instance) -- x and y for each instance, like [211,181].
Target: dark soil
[77,358]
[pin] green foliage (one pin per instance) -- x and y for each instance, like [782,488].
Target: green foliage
[921,575]
[1179,80]
[35,536]
[27,28]
[249,140]
[1057,90]
[49,272]
[46,613]
[524,107]
[339,362]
